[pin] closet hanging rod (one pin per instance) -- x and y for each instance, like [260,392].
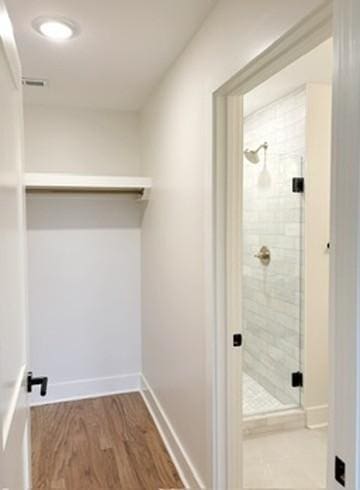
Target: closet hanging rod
[87,183]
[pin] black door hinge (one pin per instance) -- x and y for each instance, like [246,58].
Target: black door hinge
[297,380]
[298,184]
[340,471]
[237,340]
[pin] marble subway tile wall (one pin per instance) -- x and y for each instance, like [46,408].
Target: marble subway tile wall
[273,216]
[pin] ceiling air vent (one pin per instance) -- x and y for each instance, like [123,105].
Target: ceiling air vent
[34,82]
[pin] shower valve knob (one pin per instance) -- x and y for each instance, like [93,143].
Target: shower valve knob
[264,255]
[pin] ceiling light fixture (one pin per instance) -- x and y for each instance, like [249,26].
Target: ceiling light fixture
[56,29]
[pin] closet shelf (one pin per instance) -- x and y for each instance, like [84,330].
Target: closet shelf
[87,183]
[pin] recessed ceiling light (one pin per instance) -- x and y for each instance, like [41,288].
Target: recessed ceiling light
[56,29]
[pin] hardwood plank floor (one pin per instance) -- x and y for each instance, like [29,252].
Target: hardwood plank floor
[99,444]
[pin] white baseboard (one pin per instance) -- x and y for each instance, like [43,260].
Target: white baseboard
[178,454]
[86,388]
[317,417]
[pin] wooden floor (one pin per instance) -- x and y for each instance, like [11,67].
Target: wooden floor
[99,444]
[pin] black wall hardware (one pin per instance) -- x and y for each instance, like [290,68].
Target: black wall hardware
[298,184]
[297,380]
[340,471]
[237,340]
[328,246]
[31,381]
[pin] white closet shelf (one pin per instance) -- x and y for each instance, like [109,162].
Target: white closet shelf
[87,183]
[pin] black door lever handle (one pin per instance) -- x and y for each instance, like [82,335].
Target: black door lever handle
[31,381]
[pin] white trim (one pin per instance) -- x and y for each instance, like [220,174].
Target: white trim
[8,40]
[87,388]
[9,416]
[27,467]
[345,244]
[317,417]
[302,38]
[219,345]
[175,448]
[233,272]
[305,36]
[227,293]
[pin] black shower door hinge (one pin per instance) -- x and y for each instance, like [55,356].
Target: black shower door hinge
[297,380]
[340,471]
[237,340]
[298,184]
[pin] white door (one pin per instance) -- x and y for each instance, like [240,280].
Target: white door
[14,411]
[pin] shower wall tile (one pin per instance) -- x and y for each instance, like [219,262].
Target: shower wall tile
[273,216]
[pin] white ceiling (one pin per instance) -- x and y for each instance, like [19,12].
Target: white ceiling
[316,66]
[124,48]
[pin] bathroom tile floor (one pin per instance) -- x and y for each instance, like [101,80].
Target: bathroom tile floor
[286,460]
[257,400]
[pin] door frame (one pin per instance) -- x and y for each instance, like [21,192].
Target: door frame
[227,211]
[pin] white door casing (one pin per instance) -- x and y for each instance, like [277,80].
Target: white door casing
[227,170]
[345,245]
[14,411]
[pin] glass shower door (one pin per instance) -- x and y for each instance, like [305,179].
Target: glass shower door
[272,283]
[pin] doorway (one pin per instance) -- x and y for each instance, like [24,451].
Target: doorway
[286,265]
[252,200]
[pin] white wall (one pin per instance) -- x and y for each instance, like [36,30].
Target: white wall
[177,153]
[84,256]
[317,235]
[81,141]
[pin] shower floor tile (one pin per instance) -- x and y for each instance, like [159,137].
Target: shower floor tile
[257,400]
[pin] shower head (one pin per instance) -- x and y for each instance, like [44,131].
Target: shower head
[253,155]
